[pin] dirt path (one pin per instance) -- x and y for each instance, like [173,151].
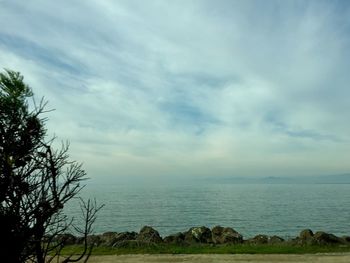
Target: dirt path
[319,258]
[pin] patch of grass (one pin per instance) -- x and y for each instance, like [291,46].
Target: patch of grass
[207,249]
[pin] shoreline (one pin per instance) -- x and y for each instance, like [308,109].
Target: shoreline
[218,235]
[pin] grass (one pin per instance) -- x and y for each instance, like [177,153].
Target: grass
[207,249]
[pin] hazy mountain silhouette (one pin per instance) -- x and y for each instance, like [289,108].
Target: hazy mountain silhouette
[322,179]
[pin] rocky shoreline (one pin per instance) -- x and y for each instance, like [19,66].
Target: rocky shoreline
[200,235]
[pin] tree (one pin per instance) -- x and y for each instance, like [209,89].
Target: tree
[36,181]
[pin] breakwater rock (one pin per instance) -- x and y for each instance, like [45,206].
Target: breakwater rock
[218,235]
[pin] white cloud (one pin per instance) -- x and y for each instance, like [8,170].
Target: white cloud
[196,87]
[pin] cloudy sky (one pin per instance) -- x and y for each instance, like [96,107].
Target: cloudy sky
[174,88]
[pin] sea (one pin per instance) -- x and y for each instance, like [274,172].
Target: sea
[251,209]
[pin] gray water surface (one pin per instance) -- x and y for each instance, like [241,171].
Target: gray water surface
[274,209]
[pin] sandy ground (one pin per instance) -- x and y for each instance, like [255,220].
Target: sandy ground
[319,258]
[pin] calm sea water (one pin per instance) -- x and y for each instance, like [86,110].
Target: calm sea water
[274,209]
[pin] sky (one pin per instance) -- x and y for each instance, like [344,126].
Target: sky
[189,88]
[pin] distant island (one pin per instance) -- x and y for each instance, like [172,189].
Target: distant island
[318,179]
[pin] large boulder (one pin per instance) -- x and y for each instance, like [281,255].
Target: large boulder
[225,235]
[198,235]
[306,234]
[346,239]
[275,240]
[258,240]
[108,238]
[91,239]
[122,237]
[323,238]
[148,234]
[306,237]
[176,239]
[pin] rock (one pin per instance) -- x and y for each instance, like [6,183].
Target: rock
[108,238]
[346,239]
[176,239]
[306,237]
[306,234]
[227,235]
[323,238]
[258,240]
[275,240]
[91,239]
[198,235]
[148,234]
[121,237]
[133,244]
[149,237]
[107,235]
